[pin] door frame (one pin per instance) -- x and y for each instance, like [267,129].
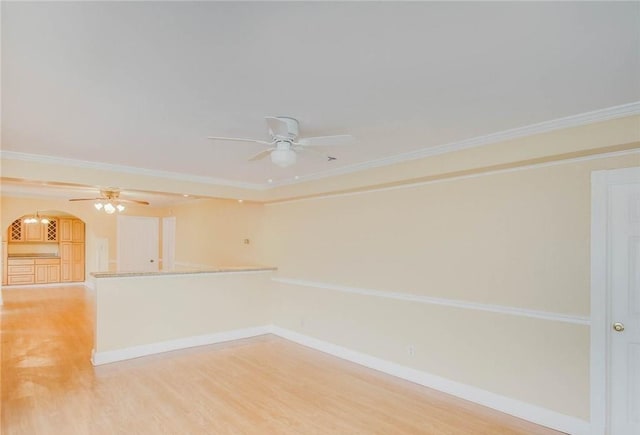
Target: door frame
[168,242]
[601,181]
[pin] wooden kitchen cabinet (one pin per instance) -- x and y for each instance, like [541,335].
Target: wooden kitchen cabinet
[71,262]
[33,233]
[71,230]
[20,267]
[65,230]
[33,271]
[65,262]
[77,231]
[20,279]
[77,261]
[47,270]
[41,274]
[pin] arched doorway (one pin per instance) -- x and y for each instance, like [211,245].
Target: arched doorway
[46,247]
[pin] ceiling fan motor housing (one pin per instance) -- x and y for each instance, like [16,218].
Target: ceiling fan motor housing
[293,129]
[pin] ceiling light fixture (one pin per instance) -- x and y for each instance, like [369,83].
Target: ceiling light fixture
[109,207]
[283,155]
[36,218]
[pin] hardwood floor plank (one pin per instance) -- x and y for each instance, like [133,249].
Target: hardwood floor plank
[263,385]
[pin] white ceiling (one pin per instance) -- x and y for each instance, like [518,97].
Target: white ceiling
[143,84]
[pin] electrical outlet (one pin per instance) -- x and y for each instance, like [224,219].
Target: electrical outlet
[411,350]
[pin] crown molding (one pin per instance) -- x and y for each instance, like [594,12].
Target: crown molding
[592,117]
[445,179]
[40,158]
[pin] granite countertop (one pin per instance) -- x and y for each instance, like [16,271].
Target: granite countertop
[183,271]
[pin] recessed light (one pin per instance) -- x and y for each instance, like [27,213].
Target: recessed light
[269,180]
[241,201]
[296,178]
[185,195]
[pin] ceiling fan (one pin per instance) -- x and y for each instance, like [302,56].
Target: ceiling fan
[110,201]
[285,141]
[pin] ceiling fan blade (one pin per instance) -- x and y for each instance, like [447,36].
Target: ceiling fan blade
[129,201]
[132,201]
[260,155]
[342,139]
[239,139]
[277,127]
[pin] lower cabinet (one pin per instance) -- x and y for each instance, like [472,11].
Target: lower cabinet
[33,271]
[47,272]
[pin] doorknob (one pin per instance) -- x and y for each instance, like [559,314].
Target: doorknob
[618,327]
[151,261]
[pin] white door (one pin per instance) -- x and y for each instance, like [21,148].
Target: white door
[624,383]
[138,243]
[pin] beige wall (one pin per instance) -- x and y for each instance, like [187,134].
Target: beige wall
[146,310]
[516,239]
[213,231]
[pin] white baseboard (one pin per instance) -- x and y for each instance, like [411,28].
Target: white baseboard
[526,411]
[99,358]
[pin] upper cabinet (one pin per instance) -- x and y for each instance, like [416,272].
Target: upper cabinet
[77,231]
[33,233]
[65,230]
[71,230]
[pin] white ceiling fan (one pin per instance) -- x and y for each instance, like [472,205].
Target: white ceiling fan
[285,141]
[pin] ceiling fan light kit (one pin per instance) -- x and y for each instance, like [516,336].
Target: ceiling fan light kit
[36,218]
[108,207]
[285,141]
[283,155]
[110,202]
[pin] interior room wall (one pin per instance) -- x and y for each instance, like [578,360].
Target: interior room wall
[379,272]
[214,231]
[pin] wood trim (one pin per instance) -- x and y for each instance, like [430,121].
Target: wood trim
[501,309]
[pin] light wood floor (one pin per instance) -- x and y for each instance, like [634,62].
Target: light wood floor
[264,385]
